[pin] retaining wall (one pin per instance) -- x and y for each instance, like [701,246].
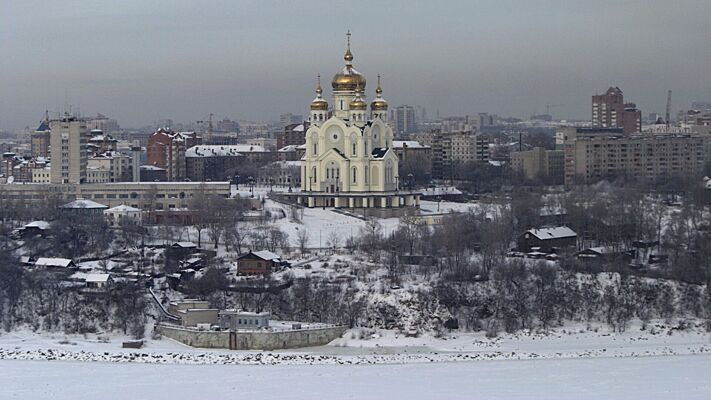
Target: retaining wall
[256,340]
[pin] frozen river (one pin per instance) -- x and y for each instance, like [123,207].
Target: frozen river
[657,377]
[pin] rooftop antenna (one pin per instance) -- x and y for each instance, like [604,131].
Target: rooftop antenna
[668,108]
[209,129]
[66,101]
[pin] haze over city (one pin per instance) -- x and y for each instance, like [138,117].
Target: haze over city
[253,59]
[364,200]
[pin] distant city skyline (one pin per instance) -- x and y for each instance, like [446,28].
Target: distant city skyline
[140,62]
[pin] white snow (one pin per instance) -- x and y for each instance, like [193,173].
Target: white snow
[651,378]
[552,233]
[53,262]
[564,363]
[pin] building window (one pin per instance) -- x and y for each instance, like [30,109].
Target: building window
[355,175]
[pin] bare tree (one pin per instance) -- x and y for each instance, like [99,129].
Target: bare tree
[302,239]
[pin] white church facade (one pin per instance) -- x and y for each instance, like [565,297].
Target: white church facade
[349,160]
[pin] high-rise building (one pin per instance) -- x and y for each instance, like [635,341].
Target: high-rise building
[610,111]
[405,119]
[539,163]
[166,149]
[652,156]
[103,123]
[450,149]
[39,139]
[68,141]
[289,118]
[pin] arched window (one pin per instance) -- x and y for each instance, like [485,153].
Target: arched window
[313,174]
[365,175]
[365,147]
[314,143]
[389,172]
[355,175]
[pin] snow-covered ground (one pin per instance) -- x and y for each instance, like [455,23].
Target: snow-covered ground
[648,378]
[572,362]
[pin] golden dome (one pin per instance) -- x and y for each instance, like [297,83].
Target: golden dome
[319,103]
[379,104]
[348,79]
[358,103]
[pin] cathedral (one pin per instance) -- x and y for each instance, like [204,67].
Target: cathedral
[349,160]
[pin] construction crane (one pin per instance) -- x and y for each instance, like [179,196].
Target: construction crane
[209,128]
[668,117]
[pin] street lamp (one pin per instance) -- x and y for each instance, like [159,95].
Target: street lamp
[397,183]
[271,182]
[410,180]
[251,186]
[237,181]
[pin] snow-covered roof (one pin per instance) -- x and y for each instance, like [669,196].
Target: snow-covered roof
[283,164]
[288,148]
[151,168]
[216,150]
[97,277]
[552,233]
[603,250]
[298,128]
[53,262]
[123,208]
[413,144]
[185,244]
[37,224]
[84,203]
[266,255]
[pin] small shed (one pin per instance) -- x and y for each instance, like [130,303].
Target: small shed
[601,253]
[257,263]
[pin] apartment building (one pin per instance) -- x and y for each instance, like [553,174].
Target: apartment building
[166,149]
[651,156]
[610,111]
[539,163]
[68,141]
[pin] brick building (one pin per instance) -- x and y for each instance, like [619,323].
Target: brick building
[610,111]
[293,135]
[166,149]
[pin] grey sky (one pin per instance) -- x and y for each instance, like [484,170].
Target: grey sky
[139,60]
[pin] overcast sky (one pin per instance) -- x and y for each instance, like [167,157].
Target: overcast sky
[140,61]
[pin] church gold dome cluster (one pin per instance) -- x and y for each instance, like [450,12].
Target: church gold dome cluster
[351,83]
[349,161]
